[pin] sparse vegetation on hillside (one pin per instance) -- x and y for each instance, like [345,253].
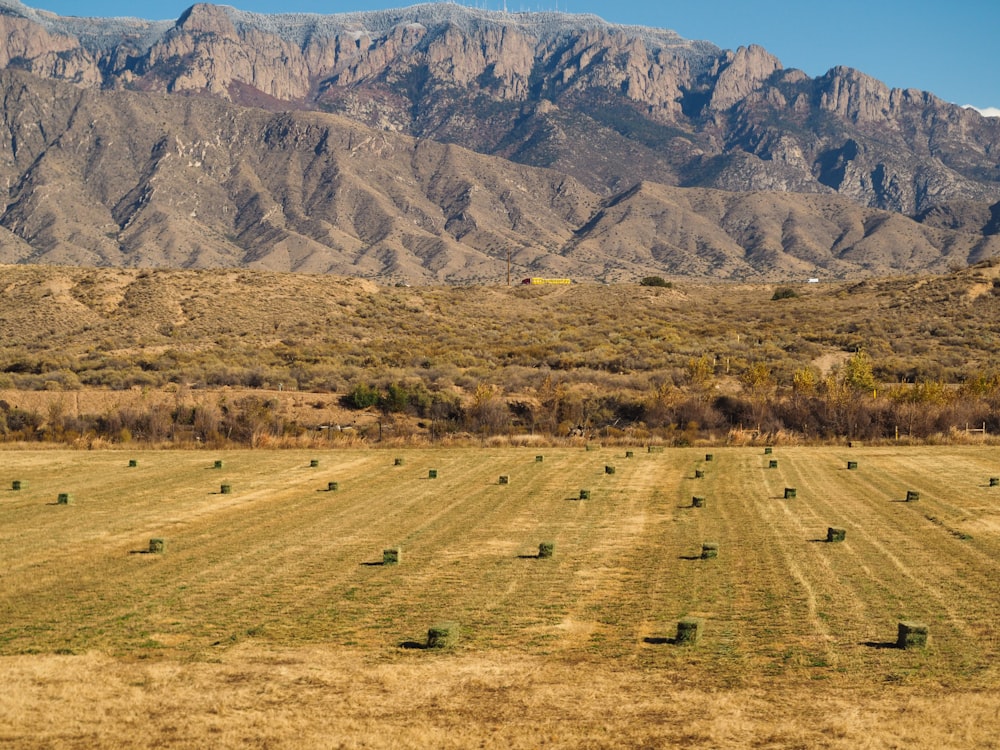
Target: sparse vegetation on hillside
[881,359]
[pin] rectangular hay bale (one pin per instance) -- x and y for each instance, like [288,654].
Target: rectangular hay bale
[689,631]
[442,635]
[911,635]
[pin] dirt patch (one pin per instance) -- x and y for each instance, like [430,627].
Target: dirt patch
[826,363]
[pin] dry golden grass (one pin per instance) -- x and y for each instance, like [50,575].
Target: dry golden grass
[60,327]
[268,621]
[339,698]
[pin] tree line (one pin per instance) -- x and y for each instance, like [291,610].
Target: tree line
[847,405]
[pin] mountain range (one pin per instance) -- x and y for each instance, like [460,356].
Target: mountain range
[439,143]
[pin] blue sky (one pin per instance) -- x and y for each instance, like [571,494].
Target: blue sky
[946,48]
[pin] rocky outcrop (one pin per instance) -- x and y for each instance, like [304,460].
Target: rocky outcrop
[544,89]
[741,73]
[29,46]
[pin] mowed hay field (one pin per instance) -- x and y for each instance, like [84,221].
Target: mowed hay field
[269,619]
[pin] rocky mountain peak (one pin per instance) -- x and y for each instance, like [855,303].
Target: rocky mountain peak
[740,73]
[204,18]
[855,96]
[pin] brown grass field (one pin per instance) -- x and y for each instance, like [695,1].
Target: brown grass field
[269,620]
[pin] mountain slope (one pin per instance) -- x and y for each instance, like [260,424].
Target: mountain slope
[191,143]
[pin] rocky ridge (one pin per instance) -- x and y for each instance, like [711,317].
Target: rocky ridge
[572,143]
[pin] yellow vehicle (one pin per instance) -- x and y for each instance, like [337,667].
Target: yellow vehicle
[535,280]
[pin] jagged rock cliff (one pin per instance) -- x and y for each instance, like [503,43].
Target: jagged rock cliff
[195,167]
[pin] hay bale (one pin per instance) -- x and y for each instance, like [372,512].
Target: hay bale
[546,549]
[332,486]
[443,635]
[132,463]
[768,451]
[629,454]
[432,474]
[392,556]
[708,456]
[156,546]
[218,464]
[851,465]
[226,489]
[789,493]
[994,481]
[504,479]
[835,535]
[689,631]
[18,484]
[609,469]
[772,464]
[912,496]
[539,459]
[699,474]
[911,635]
[313,463]
[697,502]
[585,494]
[709,550]
[64,498]
[397,462]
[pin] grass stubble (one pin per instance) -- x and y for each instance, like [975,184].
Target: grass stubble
[269,620]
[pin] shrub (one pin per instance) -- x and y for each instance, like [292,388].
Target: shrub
[655,281]
[361,396]
[784,292]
